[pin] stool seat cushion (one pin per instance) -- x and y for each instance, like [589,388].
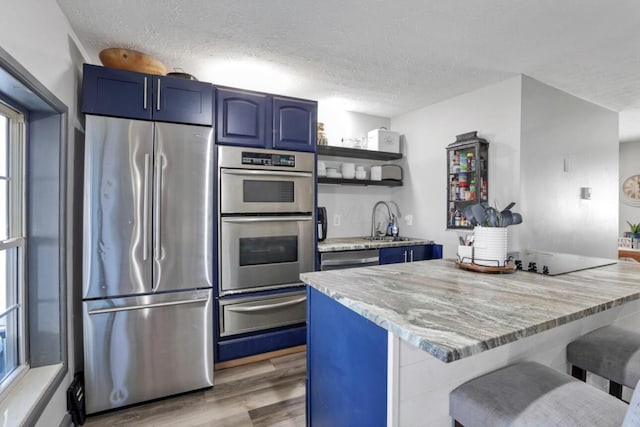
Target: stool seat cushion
[611,352]
[530,394]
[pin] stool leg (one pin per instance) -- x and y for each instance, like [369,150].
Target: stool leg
[615,389]
[578,373]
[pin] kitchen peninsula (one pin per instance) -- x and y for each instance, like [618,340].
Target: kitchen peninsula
[387,344]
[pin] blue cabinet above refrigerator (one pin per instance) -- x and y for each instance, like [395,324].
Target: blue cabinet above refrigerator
[127,94]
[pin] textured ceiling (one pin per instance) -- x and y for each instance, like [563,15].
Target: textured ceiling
[383,57]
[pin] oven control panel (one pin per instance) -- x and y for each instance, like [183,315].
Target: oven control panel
[268,159]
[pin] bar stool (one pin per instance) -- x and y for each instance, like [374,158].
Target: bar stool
[530,394]
[610,352]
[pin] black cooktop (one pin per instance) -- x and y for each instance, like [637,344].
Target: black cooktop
[554,263]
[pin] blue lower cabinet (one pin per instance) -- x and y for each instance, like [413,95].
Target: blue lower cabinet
[436,251]
[346,366]
[236,348]
[393,255]
[410,253]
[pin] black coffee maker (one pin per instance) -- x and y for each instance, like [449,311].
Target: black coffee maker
[321,220]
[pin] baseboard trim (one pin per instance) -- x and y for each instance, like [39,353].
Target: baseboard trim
[259,357]
[66,421]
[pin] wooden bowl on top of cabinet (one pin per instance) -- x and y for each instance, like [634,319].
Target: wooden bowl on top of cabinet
[132,60]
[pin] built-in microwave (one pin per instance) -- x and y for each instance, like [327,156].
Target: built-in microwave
[265,181]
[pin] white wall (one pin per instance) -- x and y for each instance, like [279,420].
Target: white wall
[494,111]
[38,36]
[339,124]
[556,127]
[349,206]
[629,165]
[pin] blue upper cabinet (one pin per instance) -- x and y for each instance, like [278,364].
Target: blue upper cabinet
[112,92]
[183,101]
[242,118]
[294,124]
[253,119]
[120,93]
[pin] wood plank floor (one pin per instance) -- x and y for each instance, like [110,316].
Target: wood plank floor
[266,393]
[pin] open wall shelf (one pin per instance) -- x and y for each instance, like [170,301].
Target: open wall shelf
[356,153]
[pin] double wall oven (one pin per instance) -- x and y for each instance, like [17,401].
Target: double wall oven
[266,238]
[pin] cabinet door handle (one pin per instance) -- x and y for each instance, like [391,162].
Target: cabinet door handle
[158,100]
[411,257]
[144,95]
[405,256]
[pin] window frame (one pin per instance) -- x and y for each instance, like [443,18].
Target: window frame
[16,236]
[47,119]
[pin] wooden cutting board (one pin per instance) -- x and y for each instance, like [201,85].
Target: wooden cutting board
[132,60]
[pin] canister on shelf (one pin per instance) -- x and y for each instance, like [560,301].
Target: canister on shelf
[463,163]
[472,189]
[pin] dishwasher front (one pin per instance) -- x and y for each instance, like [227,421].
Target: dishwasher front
[348,259]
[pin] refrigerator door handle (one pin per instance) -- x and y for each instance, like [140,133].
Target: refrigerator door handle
[142,306]
[158,207]
[145,209]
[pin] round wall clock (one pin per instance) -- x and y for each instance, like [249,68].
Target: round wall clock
[631,190]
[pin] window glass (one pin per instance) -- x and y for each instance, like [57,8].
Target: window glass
[4,136]
[8,315]
[11,243]
[4,209]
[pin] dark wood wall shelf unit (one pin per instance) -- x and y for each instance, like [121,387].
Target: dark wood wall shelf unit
[467,177]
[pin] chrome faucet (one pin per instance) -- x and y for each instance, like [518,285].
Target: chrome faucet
[374,230]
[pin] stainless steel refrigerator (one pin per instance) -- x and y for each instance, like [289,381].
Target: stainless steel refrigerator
[147,267]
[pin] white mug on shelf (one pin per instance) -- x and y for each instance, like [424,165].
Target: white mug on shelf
[322,168]
[376,173]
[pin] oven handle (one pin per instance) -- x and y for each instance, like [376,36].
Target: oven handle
[266,306]
[267,219]
[265,173]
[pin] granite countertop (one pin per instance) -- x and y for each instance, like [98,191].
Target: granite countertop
[357,243]
[452,313]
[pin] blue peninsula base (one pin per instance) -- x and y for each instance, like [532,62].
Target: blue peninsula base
[346,366]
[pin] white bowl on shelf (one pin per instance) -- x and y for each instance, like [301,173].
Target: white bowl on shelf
[348,170]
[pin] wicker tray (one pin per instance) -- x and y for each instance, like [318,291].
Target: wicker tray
[509,267]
